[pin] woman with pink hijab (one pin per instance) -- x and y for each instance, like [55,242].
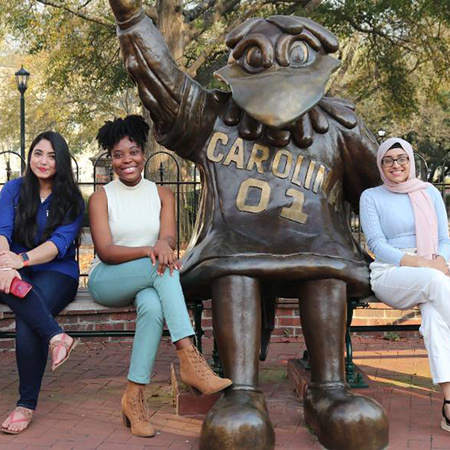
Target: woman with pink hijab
[406,227]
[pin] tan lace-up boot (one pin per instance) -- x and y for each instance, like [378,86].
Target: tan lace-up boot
[134,411]
[195,372]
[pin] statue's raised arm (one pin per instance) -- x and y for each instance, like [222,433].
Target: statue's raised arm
[173,99]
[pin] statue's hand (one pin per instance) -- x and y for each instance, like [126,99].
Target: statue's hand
[125,9]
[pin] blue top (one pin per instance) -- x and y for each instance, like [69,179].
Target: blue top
[387,220]
[63,236]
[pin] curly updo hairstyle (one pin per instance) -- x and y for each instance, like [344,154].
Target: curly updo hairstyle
[133,126]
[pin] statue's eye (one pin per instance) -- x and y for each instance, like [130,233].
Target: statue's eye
[254,57]
[299,53]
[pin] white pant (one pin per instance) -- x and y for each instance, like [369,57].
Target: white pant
[429,289]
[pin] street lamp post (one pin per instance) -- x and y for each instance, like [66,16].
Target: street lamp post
[381,134]
[22,83]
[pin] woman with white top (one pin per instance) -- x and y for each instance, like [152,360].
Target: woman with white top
[134,232]
[406,227]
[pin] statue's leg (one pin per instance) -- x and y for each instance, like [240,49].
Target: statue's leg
[341,420]
[239,420]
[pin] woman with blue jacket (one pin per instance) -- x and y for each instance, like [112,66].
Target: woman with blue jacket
[40,219]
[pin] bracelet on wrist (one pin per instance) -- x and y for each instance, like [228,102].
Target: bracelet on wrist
[25,259]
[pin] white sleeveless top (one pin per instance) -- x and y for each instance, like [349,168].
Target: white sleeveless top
[133,214]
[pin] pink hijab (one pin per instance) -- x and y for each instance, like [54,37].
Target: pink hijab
[423,206]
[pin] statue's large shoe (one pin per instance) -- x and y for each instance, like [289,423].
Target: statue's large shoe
[238,421]
[345,421]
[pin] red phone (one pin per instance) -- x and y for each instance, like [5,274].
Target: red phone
[20,288]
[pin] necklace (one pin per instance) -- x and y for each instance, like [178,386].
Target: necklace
[44,196]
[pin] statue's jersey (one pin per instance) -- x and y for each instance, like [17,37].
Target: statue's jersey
[272,212]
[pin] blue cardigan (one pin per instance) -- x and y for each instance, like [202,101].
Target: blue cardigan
[63,236]
[387,220]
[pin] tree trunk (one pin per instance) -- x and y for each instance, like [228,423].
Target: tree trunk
[347,57]
[162,168]
[171,26]
[312,5]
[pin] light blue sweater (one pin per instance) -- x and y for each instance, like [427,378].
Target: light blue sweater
[387,220]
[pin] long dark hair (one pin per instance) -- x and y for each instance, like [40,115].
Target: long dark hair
[66,202]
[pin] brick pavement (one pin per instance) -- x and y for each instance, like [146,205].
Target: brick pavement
[79,404]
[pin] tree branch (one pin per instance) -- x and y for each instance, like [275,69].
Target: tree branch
[84,4]
[192,14]
[373,31]
[310,5]
[76,13]
[152,12]
[350,52]
[223,9]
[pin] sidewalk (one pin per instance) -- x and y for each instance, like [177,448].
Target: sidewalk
[80,403]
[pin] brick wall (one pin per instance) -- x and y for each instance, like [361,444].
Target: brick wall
[287,322]
[381,314]
[106,320]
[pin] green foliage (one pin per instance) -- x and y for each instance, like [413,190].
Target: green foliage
[391,336]
[78,79]
[404,47]
[205,73]
[396,56]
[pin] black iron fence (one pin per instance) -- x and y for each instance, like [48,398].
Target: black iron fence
[184,180]
[161,167]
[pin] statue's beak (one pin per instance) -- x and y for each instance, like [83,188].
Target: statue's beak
[279,95]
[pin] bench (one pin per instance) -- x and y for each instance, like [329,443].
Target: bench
[355,379]
[84,304]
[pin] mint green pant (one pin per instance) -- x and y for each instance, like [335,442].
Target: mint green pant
[157,298]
